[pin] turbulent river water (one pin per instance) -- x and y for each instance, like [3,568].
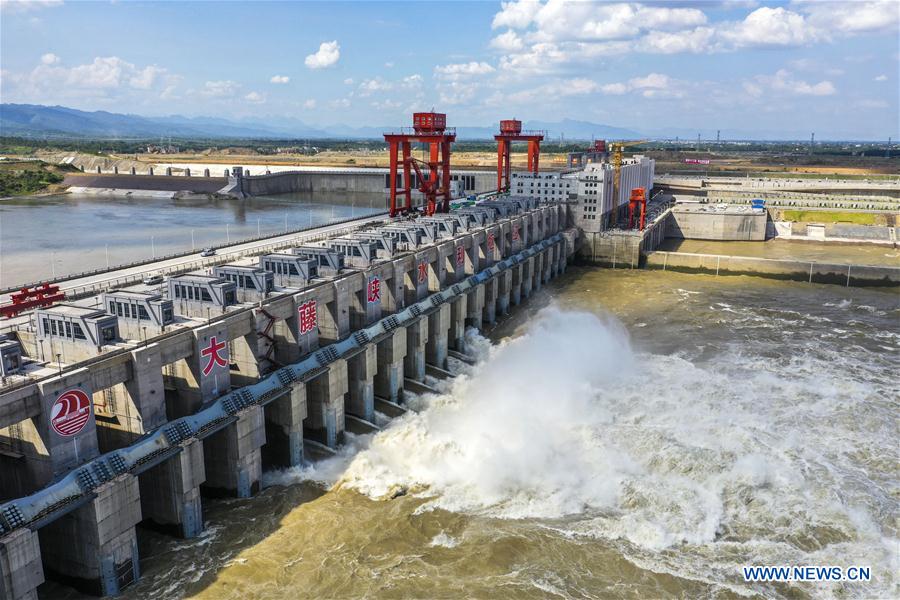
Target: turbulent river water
[626,434]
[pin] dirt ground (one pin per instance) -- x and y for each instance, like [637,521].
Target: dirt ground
[470,160]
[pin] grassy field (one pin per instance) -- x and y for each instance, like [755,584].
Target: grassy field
[828,216]
[19,178]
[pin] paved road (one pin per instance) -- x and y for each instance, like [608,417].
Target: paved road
[109,279]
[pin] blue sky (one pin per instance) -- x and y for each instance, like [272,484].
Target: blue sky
[829,67]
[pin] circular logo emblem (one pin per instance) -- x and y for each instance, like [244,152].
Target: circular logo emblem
[70,412]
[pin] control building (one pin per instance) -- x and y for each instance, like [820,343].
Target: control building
[140,314]
[595,190]
[550,187]
[253,283]
[196,295]
[73,332]
[290,270]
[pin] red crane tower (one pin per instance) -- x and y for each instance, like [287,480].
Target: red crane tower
[429,128]
[511,131]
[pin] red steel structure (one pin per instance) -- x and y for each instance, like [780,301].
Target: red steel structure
[26,298]
[511,131]
[428,128]
[637,202]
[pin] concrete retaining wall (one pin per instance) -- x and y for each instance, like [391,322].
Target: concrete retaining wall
[305,182]
[716,225]
[794,270]
[619,248]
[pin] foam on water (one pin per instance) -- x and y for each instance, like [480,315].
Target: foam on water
[731,463]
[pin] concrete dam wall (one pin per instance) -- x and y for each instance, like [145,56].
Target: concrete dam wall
[304,363]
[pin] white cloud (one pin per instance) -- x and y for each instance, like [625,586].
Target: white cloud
[327,55]
[348,81]
[772,27]
[881,78]
[146,77]
[309,104]
[413,80]
[783,82]
[387,104]
[614,89]
[516,15]
[220,89]
[853,17]
[280,79]
[23,6]
[653,85]
[340,103]
[454,72]
[371,86]
[696,41]
[507,42]
[455,92]
[255,98]
[105,72]
[868,103]
[169,93]
[389,65]
[102,80]
[542,37]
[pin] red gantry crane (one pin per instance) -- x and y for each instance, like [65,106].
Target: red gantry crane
[429,128]
[511,131]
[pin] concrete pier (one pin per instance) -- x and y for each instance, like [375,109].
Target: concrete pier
[456,334]
[438,341]
[416,339]
[389,376]
[232,456]
[284,428]
[170,491]
[361,370]
[105,558]
[20,565]
[475,303]
[325,404]
[504,291]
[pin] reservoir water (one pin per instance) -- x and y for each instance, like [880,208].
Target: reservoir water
[626,434]
[55,235]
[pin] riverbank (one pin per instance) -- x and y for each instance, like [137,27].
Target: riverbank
[30,178]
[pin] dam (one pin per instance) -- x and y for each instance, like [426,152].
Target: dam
[117,419]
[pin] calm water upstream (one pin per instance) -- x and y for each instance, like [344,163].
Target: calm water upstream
[72,233]
[627,434]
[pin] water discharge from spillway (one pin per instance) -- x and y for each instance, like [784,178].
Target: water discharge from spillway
[708,426]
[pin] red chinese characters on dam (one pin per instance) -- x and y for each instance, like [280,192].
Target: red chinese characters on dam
[70,412]
[373,291]
[307,316]
[212,355]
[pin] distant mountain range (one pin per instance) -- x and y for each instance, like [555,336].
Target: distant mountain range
[37,121]
[33,120]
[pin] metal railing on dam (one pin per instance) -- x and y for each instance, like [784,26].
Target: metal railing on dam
[79,486]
